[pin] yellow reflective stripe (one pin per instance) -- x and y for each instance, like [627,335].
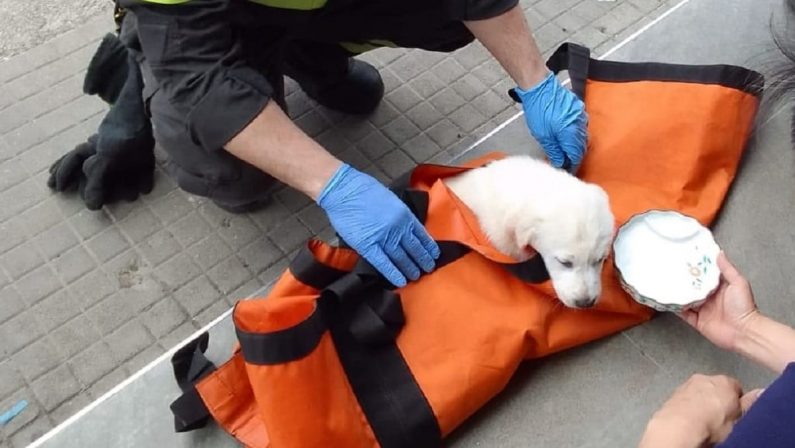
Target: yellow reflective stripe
[166,2]
[359,48]
[302,5]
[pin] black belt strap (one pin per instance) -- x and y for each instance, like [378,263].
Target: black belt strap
[395,406]
[190,412]
[283,346]
[191,366]
[576,59]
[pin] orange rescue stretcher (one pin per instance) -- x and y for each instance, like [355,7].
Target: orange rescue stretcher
[336,357]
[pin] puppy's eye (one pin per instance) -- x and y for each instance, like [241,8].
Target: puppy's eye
[566,264]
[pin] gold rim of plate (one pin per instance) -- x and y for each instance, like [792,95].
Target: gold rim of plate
[648,301]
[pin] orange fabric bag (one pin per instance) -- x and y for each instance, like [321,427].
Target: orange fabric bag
[333,357]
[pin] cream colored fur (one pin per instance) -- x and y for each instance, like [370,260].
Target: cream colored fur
[525,205]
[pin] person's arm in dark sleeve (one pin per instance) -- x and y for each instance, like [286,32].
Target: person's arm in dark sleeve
[770,423]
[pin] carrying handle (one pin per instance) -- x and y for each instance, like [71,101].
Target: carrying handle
[576,60]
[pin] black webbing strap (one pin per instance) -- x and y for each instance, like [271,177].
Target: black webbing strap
[310,272]
[575,59]
[531,271]
[190,412]
[283,346]
[377,319]
[580,66]
[395,406]
[190,366]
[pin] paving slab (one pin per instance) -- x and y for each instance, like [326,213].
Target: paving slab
[599,395]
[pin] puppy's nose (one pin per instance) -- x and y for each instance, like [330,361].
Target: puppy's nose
[584,302]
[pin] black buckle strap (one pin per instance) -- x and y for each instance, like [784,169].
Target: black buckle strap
[189,363]
[190,412]
[364,318]
[308,271]
[581,67]
[191,366]
[576,60]
[283,346]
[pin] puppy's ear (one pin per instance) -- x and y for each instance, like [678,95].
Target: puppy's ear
[603,200]
[526,233]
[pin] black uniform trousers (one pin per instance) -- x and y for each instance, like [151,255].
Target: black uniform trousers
[315,44]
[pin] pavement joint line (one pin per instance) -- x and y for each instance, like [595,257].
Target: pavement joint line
[77,94]
[127,381]
[107,395]
[93,41]
[60,133]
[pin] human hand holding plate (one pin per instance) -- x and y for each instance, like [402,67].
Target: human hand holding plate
[723,317]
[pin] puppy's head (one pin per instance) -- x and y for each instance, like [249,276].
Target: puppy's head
[572,233]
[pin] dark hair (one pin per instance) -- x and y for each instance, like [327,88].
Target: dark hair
[781,79]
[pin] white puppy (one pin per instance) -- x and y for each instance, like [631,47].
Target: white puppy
[525,206]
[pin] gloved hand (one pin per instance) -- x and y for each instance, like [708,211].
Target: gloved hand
[66,173]
[118,162]
[378,225]
[101,179]
[557,120]
[109,179]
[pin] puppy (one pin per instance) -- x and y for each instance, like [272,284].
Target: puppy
[526,206]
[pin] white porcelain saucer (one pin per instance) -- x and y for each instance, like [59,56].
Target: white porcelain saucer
[666,260]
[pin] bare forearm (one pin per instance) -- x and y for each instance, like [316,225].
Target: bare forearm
[508,39]
[272,143]
[767,342]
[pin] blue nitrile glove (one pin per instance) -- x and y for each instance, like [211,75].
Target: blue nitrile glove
[557,119]
[378,225]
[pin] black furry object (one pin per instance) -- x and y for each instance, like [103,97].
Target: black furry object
[781,83]
[98,179]
[66,173]
[107,70]
[118,162]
